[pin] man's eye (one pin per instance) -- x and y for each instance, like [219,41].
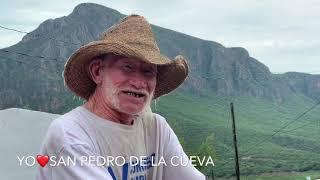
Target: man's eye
[149,73]
[127,67]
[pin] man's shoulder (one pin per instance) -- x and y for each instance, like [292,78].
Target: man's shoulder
[64,131]
[159,118]
[64,122]
[161,121]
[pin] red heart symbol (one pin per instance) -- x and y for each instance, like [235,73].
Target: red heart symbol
[42,160]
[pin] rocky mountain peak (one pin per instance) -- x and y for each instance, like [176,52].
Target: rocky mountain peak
[92,9]
[213,67]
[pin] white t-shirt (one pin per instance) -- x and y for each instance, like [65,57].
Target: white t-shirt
[79,135]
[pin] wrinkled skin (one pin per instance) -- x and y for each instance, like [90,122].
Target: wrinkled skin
[125,86]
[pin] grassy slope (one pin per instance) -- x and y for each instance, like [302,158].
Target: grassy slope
[278,176]
[285,176]
[194,118]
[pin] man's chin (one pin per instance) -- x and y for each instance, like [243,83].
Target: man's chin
[132,110]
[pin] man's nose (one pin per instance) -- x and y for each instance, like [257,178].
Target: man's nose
[138,81]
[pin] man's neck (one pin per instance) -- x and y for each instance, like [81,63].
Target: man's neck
[103,110]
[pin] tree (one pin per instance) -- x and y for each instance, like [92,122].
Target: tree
[178,129]
[206,149]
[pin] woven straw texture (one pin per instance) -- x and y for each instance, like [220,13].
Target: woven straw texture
[131,37]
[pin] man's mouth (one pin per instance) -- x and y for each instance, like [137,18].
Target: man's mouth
[135,94]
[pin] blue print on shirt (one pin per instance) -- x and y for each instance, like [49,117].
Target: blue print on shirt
[137,171]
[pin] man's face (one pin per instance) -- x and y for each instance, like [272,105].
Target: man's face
[128,84]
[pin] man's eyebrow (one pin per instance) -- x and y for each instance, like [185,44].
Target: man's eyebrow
[123,60]
[127,61]
[151,68]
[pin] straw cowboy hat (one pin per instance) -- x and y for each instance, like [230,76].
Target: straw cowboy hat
[131,37]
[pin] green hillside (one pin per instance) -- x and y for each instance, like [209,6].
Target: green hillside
[293,149]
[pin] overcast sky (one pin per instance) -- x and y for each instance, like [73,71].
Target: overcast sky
[284,34]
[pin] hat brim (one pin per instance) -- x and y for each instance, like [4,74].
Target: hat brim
[170,73]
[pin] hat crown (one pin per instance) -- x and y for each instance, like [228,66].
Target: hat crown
[131,37]
[133,30]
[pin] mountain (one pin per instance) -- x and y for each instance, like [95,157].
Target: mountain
[271,137]
[36,83]
[31,70]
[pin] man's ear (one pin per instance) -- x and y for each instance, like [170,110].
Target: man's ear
[95,70]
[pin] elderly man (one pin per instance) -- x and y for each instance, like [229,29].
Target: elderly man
[118,76]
